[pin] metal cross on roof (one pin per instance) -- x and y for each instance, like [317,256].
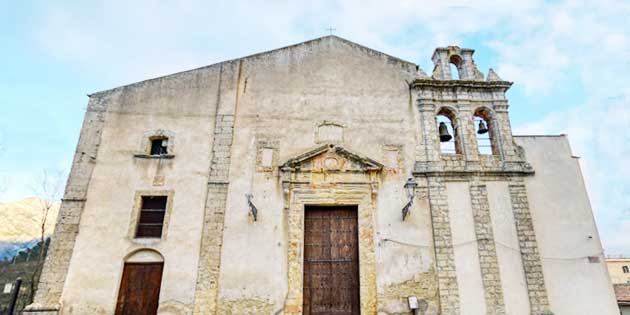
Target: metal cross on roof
[331,29]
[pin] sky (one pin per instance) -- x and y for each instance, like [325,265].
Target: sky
[569,61]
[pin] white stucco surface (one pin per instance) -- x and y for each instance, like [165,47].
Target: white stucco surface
[565,230]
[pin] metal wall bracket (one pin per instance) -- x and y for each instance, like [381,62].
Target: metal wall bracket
[252,207]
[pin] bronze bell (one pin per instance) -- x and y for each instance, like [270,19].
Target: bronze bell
[444,136]
[482,128]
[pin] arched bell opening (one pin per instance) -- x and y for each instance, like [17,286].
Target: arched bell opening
[448,132]
[455,62]
[484,122]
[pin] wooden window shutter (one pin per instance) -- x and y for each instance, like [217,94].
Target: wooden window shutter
[151,220]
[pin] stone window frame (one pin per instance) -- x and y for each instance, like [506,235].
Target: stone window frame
[400,160]
[135,216]
[267,145]
[329,123]
[144,150]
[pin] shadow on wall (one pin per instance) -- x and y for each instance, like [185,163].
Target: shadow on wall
[27,265]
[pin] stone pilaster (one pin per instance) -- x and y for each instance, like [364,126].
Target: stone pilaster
[444,253]
[208,270]
[538,301]
[212,238]
[488,261]
[428,147]
[503,132]
[468,136]
[48,295]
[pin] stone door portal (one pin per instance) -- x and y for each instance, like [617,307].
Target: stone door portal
[331,261]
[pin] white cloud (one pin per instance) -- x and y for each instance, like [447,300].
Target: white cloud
[542,46]
[598,134]
[142,39]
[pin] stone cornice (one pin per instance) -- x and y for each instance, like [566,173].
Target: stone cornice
[468,174]
[366,162]
[430,83]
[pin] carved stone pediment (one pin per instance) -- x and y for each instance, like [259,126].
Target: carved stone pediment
[330,158]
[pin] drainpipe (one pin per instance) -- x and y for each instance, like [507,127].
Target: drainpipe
[14,295]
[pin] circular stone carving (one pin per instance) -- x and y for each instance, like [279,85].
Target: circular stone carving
[331,163]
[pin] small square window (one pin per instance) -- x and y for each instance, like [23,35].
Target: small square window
[159,146]
[151,220]
[625,269]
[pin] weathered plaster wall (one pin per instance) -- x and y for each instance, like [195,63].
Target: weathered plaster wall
[285,95]
[184,106]
[405,253]
[616,271]
[565,230]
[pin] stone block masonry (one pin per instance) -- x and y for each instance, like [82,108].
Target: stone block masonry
[532,266]
[488,261]
[207,286]
[444,253]
[207,289]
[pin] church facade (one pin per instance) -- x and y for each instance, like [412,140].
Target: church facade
[321,178]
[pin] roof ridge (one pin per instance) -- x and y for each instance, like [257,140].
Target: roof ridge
[248,57]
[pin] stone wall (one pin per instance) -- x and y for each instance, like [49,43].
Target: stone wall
[486,249]
[212,239]
[444,255]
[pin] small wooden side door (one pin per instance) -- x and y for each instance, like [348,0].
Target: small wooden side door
[139,289]
[331,261]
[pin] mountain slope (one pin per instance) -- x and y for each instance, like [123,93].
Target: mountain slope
[20,224]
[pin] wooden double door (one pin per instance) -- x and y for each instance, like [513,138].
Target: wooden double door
[139,289]
[331,261]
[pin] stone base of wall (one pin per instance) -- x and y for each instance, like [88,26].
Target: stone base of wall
[392,298]
[40,310]
[244,306]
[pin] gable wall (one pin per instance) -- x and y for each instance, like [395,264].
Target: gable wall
[282,97]
[277,100]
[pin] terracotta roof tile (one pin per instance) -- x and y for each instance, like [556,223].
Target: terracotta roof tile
[622,291]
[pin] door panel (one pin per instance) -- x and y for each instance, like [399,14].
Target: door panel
[331,261]
[139,289]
